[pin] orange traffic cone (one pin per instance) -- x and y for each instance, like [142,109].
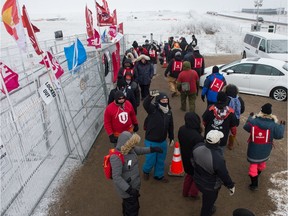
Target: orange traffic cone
[164,63]
[176,168]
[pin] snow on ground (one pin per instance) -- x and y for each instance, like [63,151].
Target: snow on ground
[227,39]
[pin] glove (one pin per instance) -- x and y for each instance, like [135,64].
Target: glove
[132,192]
[113,139]
[251,114]
[282,122]
[154,93]
[136,128]
[232,191]
[156,149]
[171,143]
[203,98]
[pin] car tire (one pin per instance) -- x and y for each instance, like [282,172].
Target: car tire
[244,55]
[279,94]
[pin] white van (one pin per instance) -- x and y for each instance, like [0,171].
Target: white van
[265,45]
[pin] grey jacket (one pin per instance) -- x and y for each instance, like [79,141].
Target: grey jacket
[128,174]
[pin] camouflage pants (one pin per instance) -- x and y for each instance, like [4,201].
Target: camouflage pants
[191,101]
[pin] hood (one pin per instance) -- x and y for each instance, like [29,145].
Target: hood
[147,58]
[270,116]
[127,141]
[192,120]
[128,61]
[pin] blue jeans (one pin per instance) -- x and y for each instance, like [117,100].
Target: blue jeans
[155,160]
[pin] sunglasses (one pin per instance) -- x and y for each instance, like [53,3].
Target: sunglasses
[121,98]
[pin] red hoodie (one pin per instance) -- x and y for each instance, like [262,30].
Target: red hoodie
[118,119]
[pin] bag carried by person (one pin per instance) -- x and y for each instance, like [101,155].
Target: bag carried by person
[185,87]
[107,164]
[236,105]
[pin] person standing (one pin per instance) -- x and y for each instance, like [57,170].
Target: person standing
[172,72]
[131,84]
[126,177]
[210,171]
[119,116]
[263,128]
[213,84]
[144,73]
[194,41]
[220,117]
[189,135]
[188,84]
[157,125]
[153,51]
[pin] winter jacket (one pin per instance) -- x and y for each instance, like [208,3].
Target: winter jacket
[144,73]
[157,124]
[152,50]
[210,170]
[169,69]
[172,53]
[198,67]
[210,94]
[189,135]
[191,77]
[220,117]
[135,88]
[119,118]
[189,57]
[127,175]
[126,69]
[260,152]
[183,46]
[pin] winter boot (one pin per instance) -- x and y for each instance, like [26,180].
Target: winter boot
[259,172]
[254,183]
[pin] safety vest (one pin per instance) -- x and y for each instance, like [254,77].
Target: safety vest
[177,66]
[216,85]
[127,70]
[260,136]
[198,62]
[152,53]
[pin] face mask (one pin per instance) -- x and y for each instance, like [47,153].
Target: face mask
[128,81]
[163,104]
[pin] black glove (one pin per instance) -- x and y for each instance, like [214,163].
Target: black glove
[203,98]
[136,128]
[282,122]
[252,114]
[132,192]
[113,139]
[156,149]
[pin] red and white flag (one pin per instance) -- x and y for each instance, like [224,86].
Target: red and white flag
[114,18]
[120,28]
[95,40]
[30,31]
[50,62]
[112,31]
[9,77]
[105,6]
[89,22]
[12,21]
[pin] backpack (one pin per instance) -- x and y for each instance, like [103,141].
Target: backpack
[260,136]
[107,164]
[177,66]
[185,86]
[236,105]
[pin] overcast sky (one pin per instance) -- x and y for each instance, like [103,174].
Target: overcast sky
[68,6]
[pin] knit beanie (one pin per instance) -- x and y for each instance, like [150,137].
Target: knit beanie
[215,69]
[221,97]
[161,96]
[266,108]
[186,65]
[118,95]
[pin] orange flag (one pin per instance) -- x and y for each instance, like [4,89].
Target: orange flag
[13,23]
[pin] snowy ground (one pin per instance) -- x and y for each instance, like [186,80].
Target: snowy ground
[163,24]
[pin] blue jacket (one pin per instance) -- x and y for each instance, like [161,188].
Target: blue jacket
[144,73]
[257,153]
[212,95]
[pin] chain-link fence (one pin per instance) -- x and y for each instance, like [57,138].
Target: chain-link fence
[36,139]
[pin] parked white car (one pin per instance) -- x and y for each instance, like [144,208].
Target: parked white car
[257,76]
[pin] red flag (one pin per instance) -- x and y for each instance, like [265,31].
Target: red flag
[13,23]
[89,22]
[105,6]
[35,29]
[95,40]
[10,78]
[120,28]
[114,18]
[30,31]
[104,18]
[112,31]
[51,62]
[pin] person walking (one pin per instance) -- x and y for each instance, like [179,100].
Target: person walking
[144,73]
[237,104]
[172,72]
[213,84]
[194,41]
[188,84]
[131,84]
[189,135]
[157,125]
[199,63]
[126,177]
[210,171]
[119,116]
[128,67]
[220,117]
[263,128]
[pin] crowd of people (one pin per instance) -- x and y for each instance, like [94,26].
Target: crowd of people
[203,140]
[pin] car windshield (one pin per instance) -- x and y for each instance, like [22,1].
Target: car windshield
[277,46]
[285,66]
[228,65]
